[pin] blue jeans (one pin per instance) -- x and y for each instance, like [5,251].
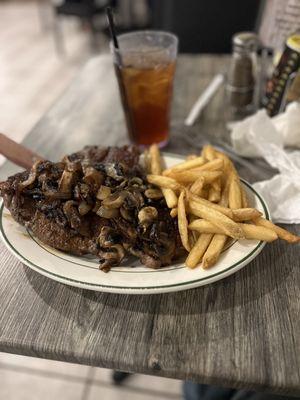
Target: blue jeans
[197,391]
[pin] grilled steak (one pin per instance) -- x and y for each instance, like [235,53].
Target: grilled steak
[95,201]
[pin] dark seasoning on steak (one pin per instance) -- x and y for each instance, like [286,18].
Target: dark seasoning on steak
[95,201]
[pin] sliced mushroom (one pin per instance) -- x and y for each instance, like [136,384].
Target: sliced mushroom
[103,192]
[93,177]
[66,182]
[114,171]
[108,213]
[123,184]
[31,177]
[82,191]
[147,215]
[76,221]
[126,229]
[126,214]
[115,200]
[108,237]
[84,207]
[134,199]
[72,166]
[154,194]
[136,181]
[111,258]
[111,253]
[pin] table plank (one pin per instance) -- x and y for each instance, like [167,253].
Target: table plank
[242,331]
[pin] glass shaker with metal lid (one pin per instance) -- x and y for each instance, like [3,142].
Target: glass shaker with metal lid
[242,74]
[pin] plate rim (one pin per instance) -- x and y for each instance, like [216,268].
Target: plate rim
[140,289]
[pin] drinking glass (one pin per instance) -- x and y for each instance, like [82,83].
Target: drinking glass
[145,66]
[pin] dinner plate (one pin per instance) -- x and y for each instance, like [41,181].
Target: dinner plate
[131,277]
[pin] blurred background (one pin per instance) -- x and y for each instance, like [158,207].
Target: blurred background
[43,43]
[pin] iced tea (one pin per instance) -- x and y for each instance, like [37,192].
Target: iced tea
[146,83]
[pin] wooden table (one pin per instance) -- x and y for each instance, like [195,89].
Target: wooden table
[242,331]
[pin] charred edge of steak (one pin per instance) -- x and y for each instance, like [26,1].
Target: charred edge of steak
[95,201]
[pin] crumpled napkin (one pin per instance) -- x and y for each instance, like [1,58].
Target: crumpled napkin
[260,135]
[286,130]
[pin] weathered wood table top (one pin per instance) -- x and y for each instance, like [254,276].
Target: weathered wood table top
[242,331]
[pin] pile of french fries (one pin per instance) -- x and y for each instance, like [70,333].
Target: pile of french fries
[205,194]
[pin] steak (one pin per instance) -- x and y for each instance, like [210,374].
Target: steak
[95,201]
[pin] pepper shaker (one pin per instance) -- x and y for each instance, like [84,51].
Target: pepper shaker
[242,75]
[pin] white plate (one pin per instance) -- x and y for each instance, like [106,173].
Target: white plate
[132,277]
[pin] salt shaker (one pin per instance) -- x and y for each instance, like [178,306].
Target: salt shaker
[242,75]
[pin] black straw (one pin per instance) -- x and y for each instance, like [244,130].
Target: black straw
[112,28]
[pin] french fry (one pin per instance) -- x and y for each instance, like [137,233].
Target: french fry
[213,251]
[208,152]
[245,202]
[224,210]
[250,231]
[245,214]
[197,186]
[155,160]
[147,161]
[186,177]
[226,224]
[213,165]
[204,226]
[259,232]
[198,250]
[214,194]
[191,157]
[182,221]
[228,164]
[234,196]
[174,212]
[186,165]
[228,167]
[209,188]
[170,197]
[193,235]
[205,193]
[164,182]
[282,233]
[224,200]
